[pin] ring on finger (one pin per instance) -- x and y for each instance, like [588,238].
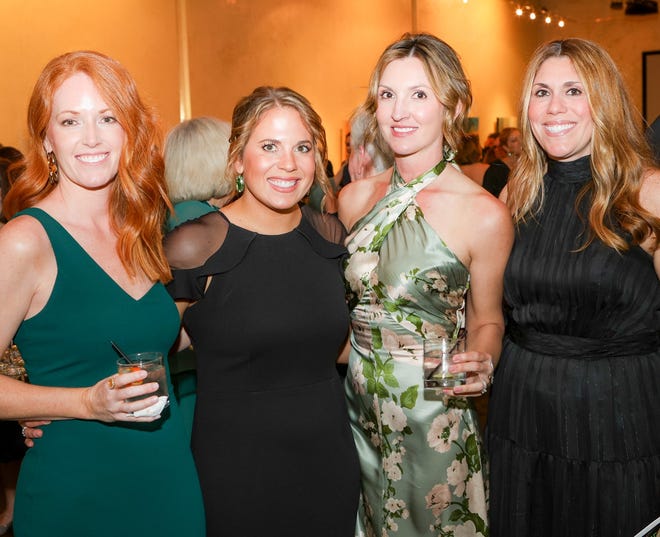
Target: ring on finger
[23,431]
[485,387]
[111,383]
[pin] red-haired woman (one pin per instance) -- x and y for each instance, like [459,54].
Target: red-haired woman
[83,265]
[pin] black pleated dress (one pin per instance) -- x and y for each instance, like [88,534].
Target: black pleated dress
[574,418]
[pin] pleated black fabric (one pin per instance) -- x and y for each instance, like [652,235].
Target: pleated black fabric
[574,417]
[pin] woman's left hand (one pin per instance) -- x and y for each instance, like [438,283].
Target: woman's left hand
[478,367]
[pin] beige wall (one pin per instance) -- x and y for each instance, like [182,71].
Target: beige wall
[139,33]
[323,48]
[625,37]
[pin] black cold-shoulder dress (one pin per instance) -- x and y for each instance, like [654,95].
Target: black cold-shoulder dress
[574,417]
[271,436]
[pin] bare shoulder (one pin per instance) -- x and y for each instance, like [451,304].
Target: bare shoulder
[28,271]
[490,225]
[358,197]
[473,206]
[23,240]
[493,212]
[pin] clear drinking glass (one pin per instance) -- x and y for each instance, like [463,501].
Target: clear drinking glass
[438,356]
[152,363]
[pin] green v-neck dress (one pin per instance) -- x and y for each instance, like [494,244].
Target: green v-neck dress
[421,456]
[87,478]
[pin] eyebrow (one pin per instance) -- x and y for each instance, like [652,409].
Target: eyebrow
[276,141]
[567,83]
[76,113]
[414,87]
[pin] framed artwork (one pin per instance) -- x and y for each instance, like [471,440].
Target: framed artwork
[651,85]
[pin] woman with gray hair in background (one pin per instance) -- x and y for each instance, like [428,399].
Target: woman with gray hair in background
[195,161]
[368,157]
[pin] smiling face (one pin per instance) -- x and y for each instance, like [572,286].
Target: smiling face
[278,161]
[84,134]
[409,114]
[559,112]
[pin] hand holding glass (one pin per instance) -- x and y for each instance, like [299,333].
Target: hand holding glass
[438,357]
[152,363]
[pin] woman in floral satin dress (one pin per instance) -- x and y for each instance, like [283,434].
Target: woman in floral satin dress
[428,249]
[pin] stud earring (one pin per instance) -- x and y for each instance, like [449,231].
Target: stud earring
[53,173]
[240,183]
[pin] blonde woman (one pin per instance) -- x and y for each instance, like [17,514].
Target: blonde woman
[427,248]
[573,418]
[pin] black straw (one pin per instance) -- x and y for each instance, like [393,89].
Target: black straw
[120,352]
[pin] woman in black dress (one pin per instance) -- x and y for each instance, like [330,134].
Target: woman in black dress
[573,418]
[261,293]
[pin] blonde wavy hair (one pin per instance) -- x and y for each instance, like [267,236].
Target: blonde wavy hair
[445,73]
[620,155]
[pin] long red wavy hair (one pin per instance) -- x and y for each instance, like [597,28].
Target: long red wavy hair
[138,202]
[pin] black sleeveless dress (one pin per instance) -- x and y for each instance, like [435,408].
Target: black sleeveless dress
[574,417]
[271,436]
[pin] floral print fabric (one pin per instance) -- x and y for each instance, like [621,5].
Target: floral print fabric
[423,467]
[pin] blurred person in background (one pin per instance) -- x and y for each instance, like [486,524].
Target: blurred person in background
[195,163]
[497,174]
[11,442]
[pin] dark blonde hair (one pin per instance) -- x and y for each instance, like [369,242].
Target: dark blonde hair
[196,159]
[445,73]
[620,155]
[138,201]
[248,112]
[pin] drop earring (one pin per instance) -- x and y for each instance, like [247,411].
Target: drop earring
[240,183]
[53,173]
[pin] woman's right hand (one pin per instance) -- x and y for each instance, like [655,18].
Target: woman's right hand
[108,401]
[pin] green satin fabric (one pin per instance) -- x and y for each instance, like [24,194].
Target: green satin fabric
[423,467]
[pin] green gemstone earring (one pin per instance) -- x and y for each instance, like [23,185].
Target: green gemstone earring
[240,183]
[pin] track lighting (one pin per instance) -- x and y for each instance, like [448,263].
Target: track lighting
[532,11]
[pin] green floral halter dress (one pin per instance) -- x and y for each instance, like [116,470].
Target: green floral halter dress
[423,466]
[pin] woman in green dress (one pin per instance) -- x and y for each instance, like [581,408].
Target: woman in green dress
[83,265]
[427,249]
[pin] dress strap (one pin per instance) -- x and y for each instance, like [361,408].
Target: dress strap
[385,213]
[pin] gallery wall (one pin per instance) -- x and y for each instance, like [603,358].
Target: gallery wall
[325,49]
